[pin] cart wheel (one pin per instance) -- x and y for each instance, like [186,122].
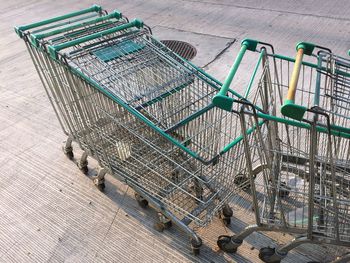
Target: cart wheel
[227,211]
[266,253]
[285,192]
[159,226]
[70,155]
[195,245]
[84,170]
[168,224]
[101,187]
[196,251]
[141,201]
[225,244]
[226,220]
[242,181]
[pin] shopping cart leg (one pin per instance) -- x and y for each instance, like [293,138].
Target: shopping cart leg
[169,219]
[68,149]
[83,163]
[275,255]
[99,179]
[230,244]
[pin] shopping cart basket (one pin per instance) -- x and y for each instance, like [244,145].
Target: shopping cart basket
[304,182]
[145,114]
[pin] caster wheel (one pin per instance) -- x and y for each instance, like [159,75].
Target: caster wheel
[168,225]
[141,201]
[159,226]
[70,155]
[196,251]
[266,253]
[226,220]
[242,182]
[227,211]
[195,245]
[101,187]
[285,192]
[225,244]
[84,170]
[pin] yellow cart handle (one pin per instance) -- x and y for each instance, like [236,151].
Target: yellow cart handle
[289,108]
[295,75]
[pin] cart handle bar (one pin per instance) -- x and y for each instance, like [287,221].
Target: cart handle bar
[289,108]
[20,29]
[54,49]
[36,37]
[221,99]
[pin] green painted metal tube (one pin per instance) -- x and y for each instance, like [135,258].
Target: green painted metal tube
[240,138]
[36,37]
[221,100]
[54,49]
[19,29]
[262,53]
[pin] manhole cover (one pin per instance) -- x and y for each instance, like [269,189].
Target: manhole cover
[181,48]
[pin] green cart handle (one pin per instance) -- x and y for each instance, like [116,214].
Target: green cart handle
[20,29]
[221,99]
[53,50]
[35,38]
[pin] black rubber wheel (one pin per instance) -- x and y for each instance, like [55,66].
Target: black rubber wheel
[70,155]
[223,243]
[84,170]
[227,211]
[168,225]
[195,245]
[285,192]
[159,226]
[196,251]
[242,181]
[143,203]
[226,220]
[265,254]
[101,187]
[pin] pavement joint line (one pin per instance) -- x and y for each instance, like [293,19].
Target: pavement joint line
[115,216]
[196,33]
[222,51]
[271,10]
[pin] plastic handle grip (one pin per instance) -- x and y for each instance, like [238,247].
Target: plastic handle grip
[295,75]
[19,30]
[289,108]
[54,49]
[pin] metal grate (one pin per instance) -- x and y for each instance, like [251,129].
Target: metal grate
[182,48]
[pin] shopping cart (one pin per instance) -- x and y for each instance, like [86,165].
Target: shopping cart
[303,186]
[144,113]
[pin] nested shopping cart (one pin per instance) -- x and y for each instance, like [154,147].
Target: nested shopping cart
[303,153]
[144,113]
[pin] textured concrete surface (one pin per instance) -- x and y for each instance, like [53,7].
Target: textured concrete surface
[50,212]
